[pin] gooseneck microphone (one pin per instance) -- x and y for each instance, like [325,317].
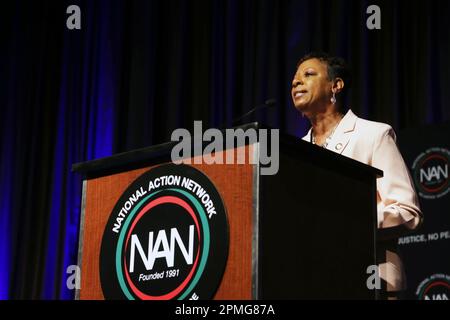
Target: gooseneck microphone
[270,103]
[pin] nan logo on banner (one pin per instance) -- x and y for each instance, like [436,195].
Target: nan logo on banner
[430,173]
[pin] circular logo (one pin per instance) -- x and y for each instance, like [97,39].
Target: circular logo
[166,238]
[436,287]
[430,172]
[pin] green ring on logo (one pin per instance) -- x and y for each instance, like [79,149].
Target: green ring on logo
[206,242]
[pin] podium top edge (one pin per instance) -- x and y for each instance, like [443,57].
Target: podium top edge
[161,153]
[139,155]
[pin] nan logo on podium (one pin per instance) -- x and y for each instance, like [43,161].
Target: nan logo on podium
[166,238]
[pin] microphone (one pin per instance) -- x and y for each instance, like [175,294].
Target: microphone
[270,103]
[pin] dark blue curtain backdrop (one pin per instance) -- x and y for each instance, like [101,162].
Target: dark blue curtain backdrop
[137,70]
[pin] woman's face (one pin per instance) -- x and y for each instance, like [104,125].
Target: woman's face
[311,89]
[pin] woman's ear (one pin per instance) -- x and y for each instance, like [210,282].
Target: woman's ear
[338,85]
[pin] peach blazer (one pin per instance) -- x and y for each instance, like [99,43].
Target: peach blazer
[373,143]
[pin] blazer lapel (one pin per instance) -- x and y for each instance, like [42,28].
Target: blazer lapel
[343,132]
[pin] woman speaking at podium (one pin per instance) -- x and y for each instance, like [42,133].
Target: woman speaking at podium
[318,87]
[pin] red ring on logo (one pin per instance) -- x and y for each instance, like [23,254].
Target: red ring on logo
[150,205]
[434,284]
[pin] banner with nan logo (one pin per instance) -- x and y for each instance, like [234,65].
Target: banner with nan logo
[166,238]
[426,252]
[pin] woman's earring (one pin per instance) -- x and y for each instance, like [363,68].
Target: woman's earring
[333,98]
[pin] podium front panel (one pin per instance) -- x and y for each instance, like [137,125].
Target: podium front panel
[235,183]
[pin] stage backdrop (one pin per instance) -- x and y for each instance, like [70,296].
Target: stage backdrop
[426,252]
[137,70]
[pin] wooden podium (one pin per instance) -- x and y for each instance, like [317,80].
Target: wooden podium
[307,232]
